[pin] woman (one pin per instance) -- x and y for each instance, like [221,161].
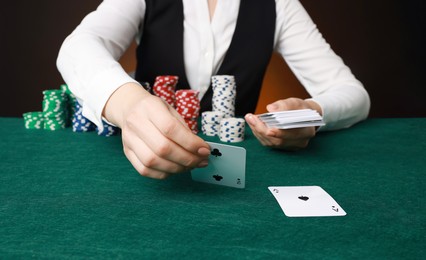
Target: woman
[196,39]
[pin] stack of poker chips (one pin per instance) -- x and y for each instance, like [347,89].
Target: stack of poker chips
[232,130]
[221,120]
[224,94]
[34,120]
[55,109]
[60,110]
[109,130]
[185,101]
[229,130]
[164,87]
[188,106]
[210,122]
[71,109]
[79,122]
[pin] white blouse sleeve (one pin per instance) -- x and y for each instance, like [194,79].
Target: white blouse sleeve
[88,58]
[327,79]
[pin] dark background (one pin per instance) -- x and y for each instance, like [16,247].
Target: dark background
[380,40]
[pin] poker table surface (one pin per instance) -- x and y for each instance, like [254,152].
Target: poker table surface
[75,195]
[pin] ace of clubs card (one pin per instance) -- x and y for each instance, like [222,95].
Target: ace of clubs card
[227,166]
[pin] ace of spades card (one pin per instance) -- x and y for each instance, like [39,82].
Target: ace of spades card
[306,201]
[227,166]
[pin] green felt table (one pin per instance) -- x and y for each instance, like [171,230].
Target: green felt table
[75,195]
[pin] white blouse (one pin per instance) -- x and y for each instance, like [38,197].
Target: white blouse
[88,59]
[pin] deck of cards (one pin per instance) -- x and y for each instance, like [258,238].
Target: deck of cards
[306,201]
[292,119]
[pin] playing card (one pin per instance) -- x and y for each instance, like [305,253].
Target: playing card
[292,119]
[306,201]
[227,166]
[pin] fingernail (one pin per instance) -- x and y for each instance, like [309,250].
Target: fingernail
[203,163]
[272,107]
[203,151]
[250,119]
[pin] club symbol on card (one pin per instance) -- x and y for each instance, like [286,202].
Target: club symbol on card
[238,181]
[217,177]
[335,208]
[276,190]
[215,152]
[305,198]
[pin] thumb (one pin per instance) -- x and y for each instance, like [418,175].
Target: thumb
[276,106]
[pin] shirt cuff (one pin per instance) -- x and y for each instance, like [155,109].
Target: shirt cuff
[340,113]
[100,90]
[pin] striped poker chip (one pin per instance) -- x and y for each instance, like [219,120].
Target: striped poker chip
[192,123]
[53,105]
[212,117]
[65,89]
[164,88]
[33,120]
[109,130]
[224,94]
[188,103]
[232,130]
[51,124]
[79,122]
[210,129]
[188,106]
[70,110]
[60,109]
[210,122]
[55,109]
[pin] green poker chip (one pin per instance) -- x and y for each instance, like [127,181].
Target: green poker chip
[33,120]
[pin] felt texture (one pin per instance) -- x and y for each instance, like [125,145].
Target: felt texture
[75,195]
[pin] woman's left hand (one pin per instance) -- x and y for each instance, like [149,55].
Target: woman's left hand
[289,139]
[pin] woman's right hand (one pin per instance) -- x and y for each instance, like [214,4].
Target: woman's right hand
[155,138]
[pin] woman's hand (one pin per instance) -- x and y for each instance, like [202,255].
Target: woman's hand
[289,139]
[156,140]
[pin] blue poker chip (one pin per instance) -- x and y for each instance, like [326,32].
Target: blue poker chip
[109,130]
[79,122]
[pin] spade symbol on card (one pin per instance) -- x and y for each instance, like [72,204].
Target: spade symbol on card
[217,177]
[305,198]
[306,201]
[215,152]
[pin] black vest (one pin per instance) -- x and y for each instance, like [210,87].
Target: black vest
[160,51]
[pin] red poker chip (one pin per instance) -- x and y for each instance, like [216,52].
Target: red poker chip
[192,124]
[164,87]
[187,103]
[187,93]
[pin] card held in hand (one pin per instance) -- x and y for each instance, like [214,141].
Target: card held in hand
[227,166]
[292,119]
[306,201]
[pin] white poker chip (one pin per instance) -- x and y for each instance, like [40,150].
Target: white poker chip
[224,94]
[232,130]
[212,117]
[210,129]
